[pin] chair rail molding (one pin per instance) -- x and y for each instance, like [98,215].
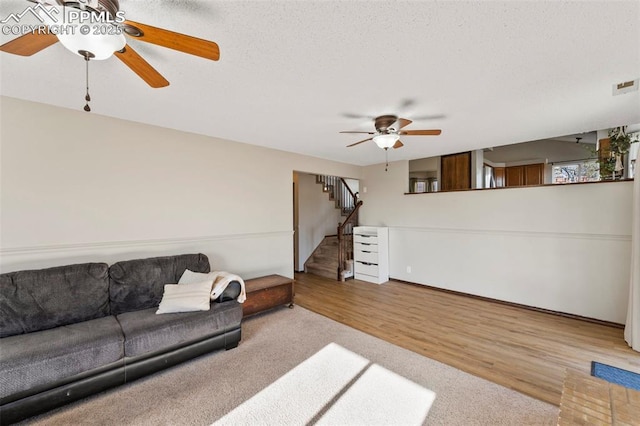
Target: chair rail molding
[139,243]
[505,232]
[250,254]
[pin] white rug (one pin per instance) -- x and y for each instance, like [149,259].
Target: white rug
[335,386]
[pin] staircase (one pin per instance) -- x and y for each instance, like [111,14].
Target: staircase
[324,259]
[333,258]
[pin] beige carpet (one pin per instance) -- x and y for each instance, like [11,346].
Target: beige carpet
[346,389]
[204,390]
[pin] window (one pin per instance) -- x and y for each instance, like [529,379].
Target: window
[584,171]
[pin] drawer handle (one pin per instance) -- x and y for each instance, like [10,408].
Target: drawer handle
[365,251]
[367,263]
[365,244]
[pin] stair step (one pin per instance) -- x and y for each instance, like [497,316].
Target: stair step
[326,251]
[325,260]
[331,245]
[333,266]
[321,270]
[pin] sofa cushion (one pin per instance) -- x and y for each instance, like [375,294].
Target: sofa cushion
[145,332]
[41,299]
[139,284]
[190,277]
[185,298]
[44,357]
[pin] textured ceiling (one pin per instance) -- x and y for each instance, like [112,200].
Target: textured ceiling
[292,74]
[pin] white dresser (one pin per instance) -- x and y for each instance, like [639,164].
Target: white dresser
[371,253]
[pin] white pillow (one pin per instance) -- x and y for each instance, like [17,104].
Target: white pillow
[185,298]
[190,277]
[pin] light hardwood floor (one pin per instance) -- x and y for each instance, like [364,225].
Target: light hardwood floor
[522,349]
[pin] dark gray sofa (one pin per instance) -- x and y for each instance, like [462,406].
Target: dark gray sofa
[71,331]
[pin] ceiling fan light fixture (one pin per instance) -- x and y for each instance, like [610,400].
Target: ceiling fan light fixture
[76,36]
[386,140]
[102,46]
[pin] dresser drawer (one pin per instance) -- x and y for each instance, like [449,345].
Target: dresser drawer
[365,256]
[366,268]
[363,238]
[365,247]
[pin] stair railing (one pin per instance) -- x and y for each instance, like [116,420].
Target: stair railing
[348,199]
[345,240]
[339,192]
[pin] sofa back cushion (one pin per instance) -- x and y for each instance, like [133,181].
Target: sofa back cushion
[40,299]
[139,284]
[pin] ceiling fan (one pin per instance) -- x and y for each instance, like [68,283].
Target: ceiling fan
[388,131]
[106,36]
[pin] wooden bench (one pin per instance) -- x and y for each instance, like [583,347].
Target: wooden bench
[267,292]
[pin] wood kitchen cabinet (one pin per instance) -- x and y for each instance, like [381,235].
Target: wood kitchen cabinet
[514,176]
[498,175]
[530,174]
[604,155]
[455,171]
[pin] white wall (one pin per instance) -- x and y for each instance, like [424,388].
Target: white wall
[424,164]
[353,184]
[318,217]
[81,187]
[565,248]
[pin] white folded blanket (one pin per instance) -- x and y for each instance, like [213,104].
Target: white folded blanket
[221,280]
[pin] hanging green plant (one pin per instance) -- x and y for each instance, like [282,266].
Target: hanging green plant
[620,140]
[607,166]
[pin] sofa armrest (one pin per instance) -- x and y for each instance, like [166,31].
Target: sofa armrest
[230,293]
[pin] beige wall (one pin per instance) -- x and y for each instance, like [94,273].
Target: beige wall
[83,187]
[80,187]
[563,248]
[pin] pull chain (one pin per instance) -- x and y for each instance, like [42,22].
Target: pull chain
[87,97]
[87,55]
[386,157]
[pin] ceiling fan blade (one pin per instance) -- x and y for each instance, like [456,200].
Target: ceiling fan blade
[133,60]
[29,44]
[358,116]
[172,40]
[434,132]
[359,142]
[403,122]
[429,117]
[365,133]
[398,145]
